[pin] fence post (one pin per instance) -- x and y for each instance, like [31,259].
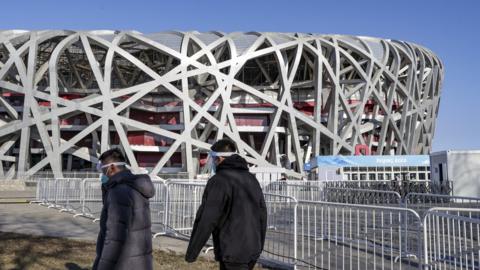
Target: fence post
[167,206]
[67,192]
[424,248]
[295,234]
[55,196]
[82,198]
[160,199]
[404,200]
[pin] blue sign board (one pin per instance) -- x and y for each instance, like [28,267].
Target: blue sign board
[370,161]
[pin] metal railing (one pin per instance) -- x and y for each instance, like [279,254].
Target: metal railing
[69,194]
[181,204]
[309,233]
[451,240]
[66,174]
[362,196]
[158,207]
[302,190]
[83,197]
[91,199]
[267,175]
[422,202]
[317,191]
[281,239]
[45,193]
[349,236]
[402,187]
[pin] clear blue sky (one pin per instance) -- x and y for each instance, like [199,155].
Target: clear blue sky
[449,28]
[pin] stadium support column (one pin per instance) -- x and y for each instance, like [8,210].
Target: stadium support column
[25,137]
[56,159]
[69,162]
[187,145]
[317,113]
[24,151]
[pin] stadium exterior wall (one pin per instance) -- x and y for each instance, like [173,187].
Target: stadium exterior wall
[66,96]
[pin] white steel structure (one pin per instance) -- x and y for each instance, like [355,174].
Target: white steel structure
[66,96]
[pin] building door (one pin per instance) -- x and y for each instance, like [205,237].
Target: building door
[440,171]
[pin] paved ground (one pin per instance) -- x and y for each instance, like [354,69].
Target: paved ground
[39,220]
[18,196]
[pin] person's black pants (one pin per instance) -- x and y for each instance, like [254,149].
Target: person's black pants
[237,266]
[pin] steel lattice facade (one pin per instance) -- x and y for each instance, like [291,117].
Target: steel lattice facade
[66,96]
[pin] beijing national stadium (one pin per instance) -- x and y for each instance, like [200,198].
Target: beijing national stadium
[164,98]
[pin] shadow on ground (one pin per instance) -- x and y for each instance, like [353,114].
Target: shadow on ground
[20,251]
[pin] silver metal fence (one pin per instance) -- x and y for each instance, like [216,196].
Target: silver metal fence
[177,175]
[302,190]
[312,234]
[363,184]
[68,194]
[61,193]
[317,191]
[50,193]
[187,180]
[158,208]
[91,193]
[66,174]
[43,191]
[267,175]
[362,196]
[422,202]
[451,238]
[281,239]
[182,202]
[348,236]
[402,187]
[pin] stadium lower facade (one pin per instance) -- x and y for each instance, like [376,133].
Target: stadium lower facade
[66,96]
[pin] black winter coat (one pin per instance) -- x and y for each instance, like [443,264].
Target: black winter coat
[233,210]
[125,238]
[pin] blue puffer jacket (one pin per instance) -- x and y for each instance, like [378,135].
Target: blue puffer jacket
[125,238]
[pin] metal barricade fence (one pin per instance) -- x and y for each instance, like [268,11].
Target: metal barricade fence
[38,176]
[362,196]
[303,190]
[182,202]
[187,180]
[427,186]
[422,202]
[317,234]
[166,176]
[158,208]
[41,192]
[80,174]
[172,194]
[348,236]
[280,239]
[451,241]
[50,195]
[316,191]
[91,194]
[362,184]
[267,175]
[68,194]
[402,187]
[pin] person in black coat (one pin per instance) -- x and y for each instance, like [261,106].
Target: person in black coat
[125,238]
[233,211]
